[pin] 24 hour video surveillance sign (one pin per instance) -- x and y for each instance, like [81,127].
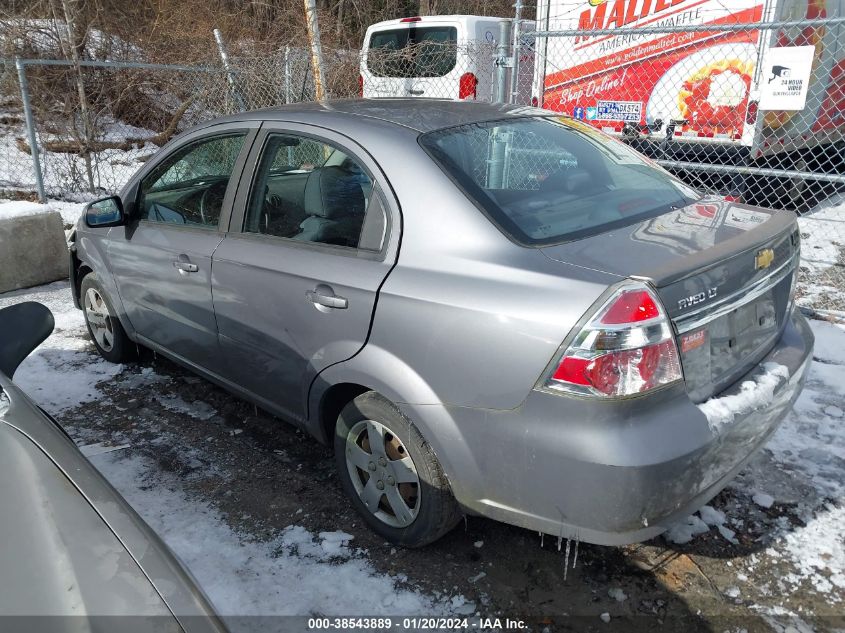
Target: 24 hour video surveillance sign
[786,77]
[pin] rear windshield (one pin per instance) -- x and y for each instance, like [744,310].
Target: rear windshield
[416,51]
[546,180]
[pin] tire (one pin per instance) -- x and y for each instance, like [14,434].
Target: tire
[429,510]
[104,327]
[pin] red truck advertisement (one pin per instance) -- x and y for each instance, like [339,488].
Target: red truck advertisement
[700,85]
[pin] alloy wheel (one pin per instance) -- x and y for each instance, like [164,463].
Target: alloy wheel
[99,319]
[383,473]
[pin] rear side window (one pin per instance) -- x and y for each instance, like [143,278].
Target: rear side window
[310,191]
[546,180]
[424,51]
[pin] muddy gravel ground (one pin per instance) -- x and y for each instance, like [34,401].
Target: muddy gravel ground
[263,475]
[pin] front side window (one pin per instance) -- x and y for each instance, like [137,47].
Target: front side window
[188,187]
[426,51]
[308,191]
[546,180]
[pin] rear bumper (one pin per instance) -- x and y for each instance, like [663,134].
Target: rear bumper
[610,473]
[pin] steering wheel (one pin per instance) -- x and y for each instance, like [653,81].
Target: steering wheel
[205,203]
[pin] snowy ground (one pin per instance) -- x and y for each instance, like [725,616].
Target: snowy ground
[253,509]
[821,282]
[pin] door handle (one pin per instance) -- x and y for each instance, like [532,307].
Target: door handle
[416,92]
[184,265]
[324,297]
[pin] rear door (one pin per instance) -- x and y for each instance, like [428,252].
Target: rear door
[295,282]
[414,59]
[162,261]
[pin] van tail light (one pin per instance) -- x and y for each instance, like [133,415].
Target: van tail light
[360,85]
[625,348]
[467,86]
[751,113]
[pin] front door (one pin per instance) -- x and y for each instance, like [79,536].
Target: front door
[162,260]
[295,290]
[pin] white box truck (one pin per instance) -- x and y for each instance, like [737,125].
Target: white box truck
[703,96]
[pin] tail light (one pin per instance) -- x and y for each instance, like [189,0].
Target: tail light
[360,85]
[535,102]
[467,86]
[625,348]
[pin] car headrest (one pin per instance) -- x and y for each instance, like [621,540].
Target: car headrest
[568,180]
[333,192]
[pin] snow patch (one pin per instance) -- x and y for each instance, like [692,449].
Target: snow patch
[818,250]
[711,516]
[335,543]
[684,531]
[296,573]
[818,550]
[21,208]
[763,500]
[754,394]
[617,594]
[728,534]
[196,409]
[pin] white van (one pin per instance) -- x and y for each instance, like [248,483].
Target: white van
[439,56]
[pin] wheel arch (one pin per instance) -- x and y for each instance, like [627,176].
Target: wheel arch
[373,369]
[88,257]
[82,271]
[332,402]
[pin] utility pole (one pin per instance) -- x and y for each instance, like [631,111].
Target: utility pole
[316,49]
[517,24]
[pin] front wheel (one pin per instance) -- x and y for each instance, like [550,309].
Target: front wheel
[105,328]
[391,474]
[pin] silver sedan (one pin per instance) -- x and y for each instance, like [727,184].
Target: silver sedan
[485,309]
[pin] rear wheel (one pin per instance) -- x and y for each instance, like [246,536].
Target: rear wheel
[391,474]
[105,329]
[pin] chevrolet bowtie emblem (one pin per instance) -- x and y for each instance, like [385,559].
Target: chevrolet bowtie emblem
[764,258]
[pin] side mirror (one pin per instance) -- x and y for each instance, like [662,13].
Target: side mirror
[105,212]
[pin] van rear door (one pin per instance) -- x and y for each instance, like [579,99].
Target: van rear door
[412,59]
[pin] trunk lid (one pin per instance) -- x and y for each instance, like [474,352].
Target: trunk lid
[724,272]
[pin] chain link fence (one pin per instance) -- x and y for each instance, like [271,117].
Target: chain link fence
[95,123]
[746,102]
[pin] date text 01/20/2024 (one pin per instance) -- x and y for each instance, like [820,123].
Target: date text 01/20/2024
[417,624]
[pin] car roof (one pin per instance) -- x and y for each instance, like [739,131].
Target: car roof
[419,115]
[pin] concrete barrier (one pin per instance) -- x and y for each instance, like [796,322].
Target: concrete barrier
[33,249]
